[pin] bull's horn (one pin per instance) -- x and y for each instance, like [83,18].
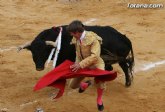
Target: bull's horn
[51,43]
[23,46]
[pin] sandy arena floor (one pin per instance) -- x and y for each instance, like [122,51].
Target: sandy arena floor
[22,20]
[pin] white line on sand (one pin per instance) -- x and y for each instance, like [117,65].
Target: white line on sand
[89,21]
[28,103]
[148,65]
[7,49]
[152,65]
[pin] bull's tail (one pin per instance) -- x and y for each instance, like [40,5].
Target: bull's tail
[130,61]
[130,58]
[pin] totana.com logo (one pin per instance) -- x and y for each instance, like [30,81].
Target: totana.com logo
[146,6]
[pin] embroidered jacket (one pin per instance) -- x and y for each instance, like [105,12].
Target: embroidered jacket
[88,51]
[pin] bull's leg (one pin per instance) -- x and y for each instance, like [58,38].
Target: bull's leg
[125,67]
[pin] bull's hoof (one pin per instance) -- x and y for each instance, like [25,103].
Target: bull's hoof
[128,84]
[129,81]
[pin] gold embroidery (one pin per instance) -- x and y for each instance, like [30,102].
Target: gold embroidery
[89,38]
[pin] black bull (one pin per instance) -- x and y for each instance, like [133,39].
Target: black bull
[116,48]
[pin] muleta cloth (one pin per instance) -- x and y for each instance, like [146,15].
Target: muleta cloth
[57,77]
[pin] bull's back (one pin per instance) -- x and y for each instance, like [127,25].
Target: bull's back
[113,40]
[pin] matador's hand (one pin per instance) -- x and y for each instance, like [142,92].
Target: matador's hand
[75,67]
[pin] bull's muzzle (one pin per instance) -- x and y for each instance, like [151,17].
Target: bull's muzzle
[39,69]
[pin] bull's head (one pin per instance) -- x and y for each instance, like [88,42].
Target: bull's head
[40,51]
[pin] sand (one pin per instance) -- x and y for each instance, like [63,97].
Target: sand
[22,20]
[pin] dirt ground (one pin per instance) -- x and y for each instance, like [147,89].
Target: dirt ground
[22,20]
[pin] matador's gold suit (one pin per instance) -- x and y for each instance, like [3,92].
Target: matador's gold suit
[88,55]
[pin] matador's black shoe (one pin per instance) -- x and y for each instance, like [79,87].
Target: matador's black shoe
[81,90]
[100,107]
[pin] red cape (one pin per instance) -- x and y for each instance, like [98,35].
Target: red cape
[57,77]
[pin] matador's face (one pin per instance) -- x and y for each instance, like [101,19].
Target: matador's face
[77,35]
